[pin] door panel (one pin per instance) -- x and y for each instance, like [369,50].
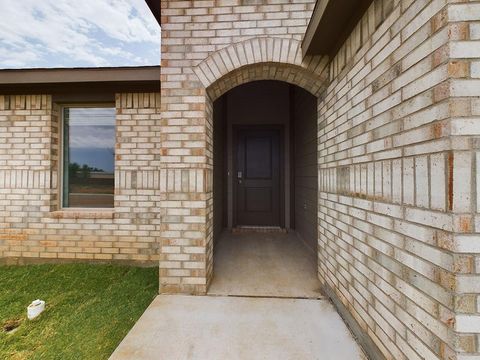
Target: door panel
[258,162]
[258,199]
[258,171]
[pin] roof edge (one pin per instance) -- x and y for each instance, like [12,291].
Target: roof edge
[79,75]
[155,8]
[330,24]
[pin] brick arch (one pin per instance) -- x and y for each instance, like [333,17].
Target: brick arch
[261,59]
[291,74]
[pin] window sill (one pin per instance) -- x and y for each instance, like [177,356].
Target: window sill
[83,214]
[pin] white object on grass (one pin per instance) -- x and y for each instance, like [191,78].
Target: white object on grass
[35,309]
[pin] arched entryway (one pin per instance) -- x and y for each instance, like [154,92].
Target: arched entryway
[265,176]
[187,248]
[258,104]
[225,72]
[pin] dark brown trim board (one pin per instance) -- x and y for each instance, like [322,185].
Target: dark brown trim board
[78,80]
[154,6]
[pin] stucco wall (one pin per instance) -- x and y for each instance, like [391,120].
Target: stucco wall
[32,224]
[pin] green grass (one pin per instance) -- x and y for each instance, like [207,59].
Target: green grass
[90,308]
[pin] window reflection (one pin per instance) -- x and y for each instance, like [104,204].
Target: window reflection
[89,157]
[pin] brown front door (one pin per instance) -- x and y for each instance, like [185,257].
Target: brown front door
[258,177]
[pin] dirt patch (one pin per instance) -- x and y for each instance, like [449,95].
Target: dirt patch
[11,325]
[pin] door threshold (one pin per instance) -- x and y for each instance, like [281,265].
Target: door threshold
[267,296]
[262,229]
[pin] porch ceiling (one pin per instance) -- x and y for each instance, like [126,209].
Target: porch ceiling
[330,24]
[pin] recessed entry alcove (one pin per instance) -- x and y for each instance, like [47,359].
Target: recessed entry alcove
[265,191]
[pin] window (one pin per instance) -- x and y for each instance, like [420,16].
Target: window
[88,157]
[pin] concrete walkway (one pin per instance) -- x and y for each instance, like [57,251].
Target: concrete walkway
[264,303]
[264,264]
[215,327]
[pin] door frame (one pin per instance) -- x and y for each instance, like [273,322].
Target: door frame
[281,133]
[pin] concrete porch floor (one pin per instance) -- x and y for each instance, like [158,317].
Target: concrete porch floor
[219,327]
[264,264]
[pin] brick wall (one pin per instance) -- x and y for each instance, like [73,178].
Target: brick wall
[397,209]
[33,226]
[202,42]
[398,204]
[391,180]
[463,22]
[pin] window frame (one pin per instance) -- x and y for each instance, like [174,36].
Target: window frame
[61,153]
